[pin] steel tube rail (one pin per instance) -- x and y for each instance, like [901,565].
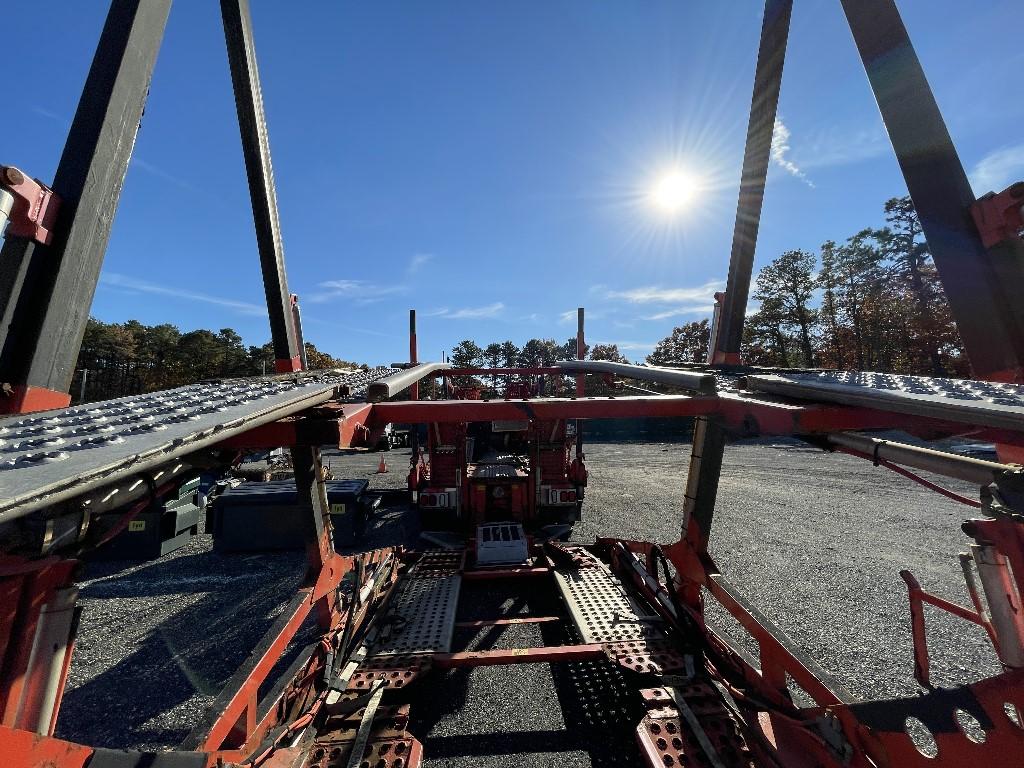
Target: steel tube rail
[976,471]
[695,381]
[392,385]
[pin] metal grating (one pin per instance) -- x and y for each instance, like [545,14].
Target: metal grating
[439,562]
[600,609]
[421,617]
[982,403]
[49,456]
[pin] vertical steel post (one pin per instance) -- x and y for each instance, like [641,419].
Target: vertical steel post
[300,342]
[46,291]
[414,394]
[581,352]
[708,435]
[983,286]
[581,390]
[414,390]
[252,124]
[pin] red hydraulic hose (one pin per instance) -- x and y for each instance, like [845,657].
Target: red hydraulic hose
[915,477]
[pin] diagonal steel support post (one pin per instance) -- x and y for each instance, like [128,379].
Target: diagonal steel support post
[46,291]
[708,435]
[983,286]
[252,124]
[315,511]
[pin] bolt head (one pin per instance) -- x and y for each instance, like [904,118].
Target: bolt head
[11,175]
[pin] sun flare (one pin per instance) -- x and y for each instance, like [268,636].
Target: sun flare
[674,191]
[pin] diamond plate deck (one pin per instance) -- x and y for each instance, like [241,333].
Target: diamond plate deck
[981,403]
[50,456]
[600,608]
[426,605]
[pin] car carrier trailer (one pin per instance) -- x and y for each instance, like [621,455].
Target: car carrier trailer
[72,478]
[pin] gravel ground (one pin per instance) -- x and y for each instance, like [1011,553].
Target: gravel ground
[815,540]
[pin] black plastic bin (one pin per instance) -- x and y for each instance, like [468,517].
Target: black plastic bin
[158,529]
[259,517]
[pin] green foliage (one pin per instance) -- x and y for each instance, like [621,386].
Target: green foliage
[784,288]
[687,344]
[608,352]
[467,354]
[874,302]
[568,350]
[537,353]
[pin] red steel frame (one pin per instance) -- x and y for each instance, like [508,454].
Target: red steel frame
[836,731]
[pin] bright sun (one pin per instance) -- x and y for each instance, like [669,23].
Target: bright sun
[674,191]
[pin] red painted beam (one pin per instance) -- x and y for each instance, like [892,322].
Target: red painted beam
[750,415]
[504,656]
[340,424]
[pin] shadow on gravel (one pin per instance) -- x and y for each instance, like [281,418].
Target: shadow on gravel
[598,706]
[190,651]
[206,612]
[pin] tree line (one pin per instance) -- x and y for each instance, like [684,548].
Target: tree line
[129,358]
[871,302]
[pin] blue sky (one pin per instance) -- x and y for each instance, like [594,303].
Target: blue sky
[491,165]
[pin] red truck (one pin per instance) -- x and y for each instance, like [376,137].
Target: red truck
[470,473]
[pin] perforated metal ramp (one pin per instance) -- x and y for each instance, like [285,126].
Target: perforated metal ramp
[49,456]
[424,615]
[601,610]
[981,403]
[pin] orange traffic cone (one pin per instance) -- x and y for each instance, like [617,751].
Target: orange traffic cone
[382,467]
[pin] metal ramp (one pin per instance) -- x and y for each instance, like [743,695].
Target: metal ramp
[600,608]
[49,456]
[421,616]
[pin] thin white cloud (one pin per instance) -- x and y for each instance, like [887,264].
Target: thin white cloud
[637,345]
[126,283]
[998,169]
[160,173]
[473,313]
[780,152]
[839,145]
[418,260]
[698,295]
[39,110]
[569,317]
[702,309]
[306,319]
[359,290]
[468,313]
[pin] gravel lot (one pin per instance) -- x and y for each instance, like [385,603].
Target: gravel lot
[815,540]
